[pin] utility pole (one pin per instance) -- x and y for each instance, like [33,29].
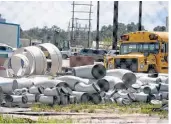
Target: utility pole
[97,35]
[72,30]
[89,27]
[115,25]
[140,16]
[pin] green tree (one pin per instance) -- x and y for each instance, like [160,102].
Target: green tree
[160,28]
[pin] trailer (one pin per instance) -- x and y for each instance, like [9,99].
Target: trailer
[9,40]
[10,34]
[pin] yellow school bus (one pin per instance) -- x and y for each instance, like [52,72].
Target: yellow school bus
[141,51]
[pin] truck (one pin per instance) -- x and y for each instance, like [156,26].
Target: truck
[141,51]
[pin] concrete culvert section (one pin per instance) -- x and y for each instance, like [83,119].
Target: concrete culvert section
[47,99]
[23,82]
[7,85]
[126,76]
[82,97]
[16,99]
[51,91]
[110,82]
[72,80]
[20,65]
[55,56]
[95,98]
[89,88]
[90,71]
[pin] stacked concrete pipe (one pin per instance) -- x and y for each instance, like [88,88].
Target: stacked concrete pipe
[126,76]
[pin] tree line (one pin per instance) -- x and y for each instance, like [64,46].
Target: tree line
[56,34]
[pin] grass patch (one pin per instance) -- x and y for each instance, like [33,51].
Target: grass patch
[9,119]
[144,108]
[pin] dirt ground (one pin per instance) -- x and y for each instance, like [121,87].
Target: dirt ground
[99,118]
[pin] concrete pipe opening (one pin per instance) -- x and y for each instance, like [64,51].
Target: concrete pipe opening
[95,98]
[128,77]
[90,71]
[98,71]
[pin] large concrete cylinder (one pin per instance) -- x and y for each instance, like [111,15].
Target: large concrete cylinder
[141,97]
[82,97]
[7,85]
[55,56]
[126,76]
[36,90]
[95,98]
[109,82]
[64,99]
[51,91]
[90,71]
[72,99]
[31,97]
[149,80]
[123,101]
[20,65]
[164,87]
[165,95]
[72,80]
[23,83]
[16,99]
[88,88]
[150,89]
[47,99]
[20,91]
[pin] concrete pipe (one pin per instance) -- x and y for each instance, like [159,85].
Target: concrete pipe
[130,96]
[65,90]
[95,98]
[7,85]
[108,100]
[47,99]
[165,95]
[23,83]
[31,97]
[37,59]
[51,91]
[16,99]
[150,89]
[149,80]
[64,99]
[19,63]
[97,71]
[57,100]
[82,97]
[20,91]
[88,88]
[126,76]
[141,97]
[109,82]
[55,56]
[72,99]
[164,79]
[110,93]
[72,80]
[36,90]
[164,87]
[50,83]
[123,101]
[157,96]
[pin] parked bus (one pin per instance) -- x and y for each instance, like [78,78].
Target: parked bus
[141,51]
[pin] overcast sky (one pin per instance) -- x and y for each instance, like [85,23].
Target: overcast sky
[33,14]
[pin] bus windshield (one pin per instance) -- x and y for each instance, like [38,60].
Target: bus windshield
[127,48]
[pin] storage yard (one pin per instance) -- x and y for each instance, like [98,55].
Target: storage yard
[54,75]
[90,91]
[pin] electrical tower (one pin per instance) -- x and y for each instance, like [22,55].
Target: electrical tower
[76,38]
